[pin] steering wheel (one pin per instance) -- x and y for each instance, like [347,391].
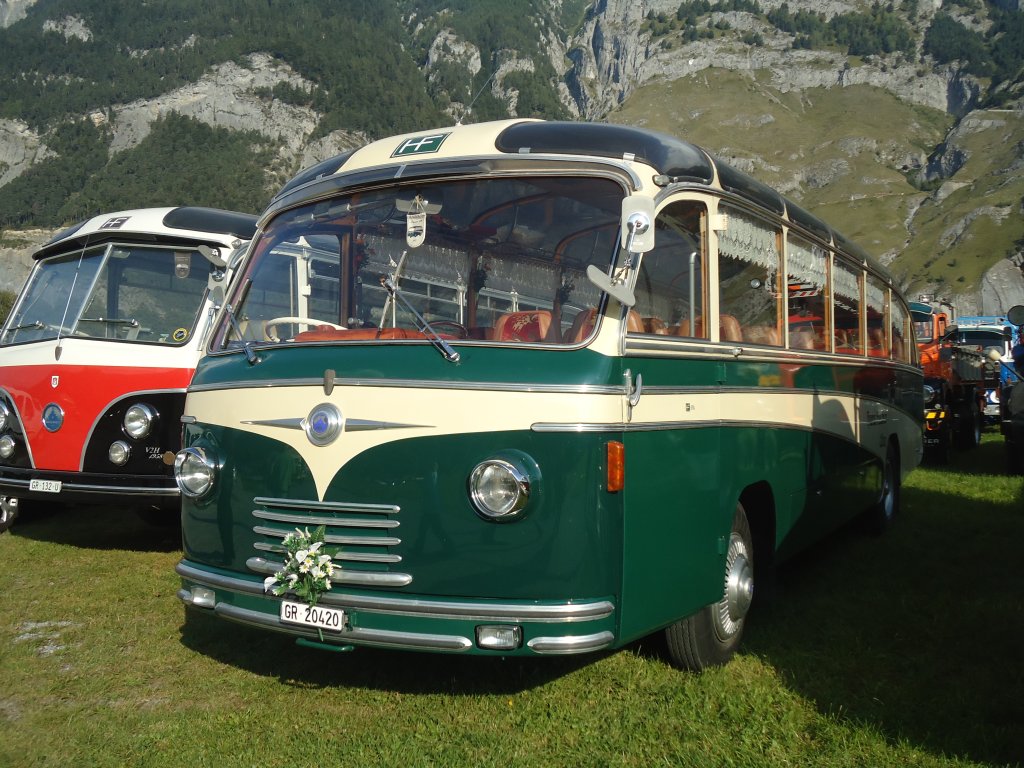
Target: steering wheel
[458,329]
[270,326]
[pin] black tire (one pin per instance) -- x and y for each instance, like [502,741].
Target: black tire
[942,453]
[968,431]
[881,514]
[711,636]
[8,513]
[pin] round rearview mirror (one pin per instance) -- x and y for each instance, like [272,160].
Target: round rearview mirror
[1016,314]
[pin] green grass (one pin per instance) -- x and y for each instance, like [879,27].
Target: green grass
[900,650]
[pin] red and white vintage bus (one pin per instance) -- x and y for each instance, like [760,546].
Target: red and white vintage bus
[97,353]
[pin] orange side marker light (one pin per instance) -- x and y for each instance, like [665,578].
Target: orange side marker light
[616,464]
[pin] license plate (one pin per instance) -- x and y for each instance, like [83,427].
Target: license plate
[328,619]
[46,486]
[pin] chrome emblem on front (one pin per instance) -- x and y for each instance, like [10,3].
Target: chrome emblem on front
[53,417]
[323,425]
[54,381]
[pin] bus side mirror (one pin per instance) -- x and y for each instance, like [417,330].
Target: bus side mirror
[218,267]
[637,224]
[636,237]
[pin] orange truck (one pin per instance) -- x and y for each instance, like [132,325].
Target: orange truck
[956,377]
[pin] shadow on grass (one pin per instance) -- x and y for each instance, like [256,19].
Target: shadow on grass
[989,458]
[919,633]
[100,528]
[278,656]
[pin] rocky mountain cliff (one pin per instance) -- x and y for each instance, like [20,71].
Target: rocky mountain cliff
[838,131]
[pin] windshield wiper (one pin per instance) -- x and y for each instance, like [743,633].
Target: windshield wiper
[251,356]
[34,324]
[422,325]
[131,322]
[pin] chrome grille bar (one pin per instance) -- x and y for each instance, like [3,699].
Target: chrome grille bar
[330,538]
[341,522]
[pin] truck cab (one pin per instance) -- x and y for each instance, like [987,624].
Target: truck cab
[957,376]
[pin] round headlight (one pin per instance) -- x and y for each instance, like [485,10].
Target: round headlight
[194,471]
[499,490]
[7,446]
[138,420]
[118,452]
[929,394]
[5,414]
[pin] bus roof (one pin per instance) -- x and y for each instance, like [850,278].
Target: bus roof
[167,225]
[673,161]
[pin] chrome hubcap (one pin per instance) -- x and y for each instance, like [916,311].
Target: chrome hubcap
[739,588]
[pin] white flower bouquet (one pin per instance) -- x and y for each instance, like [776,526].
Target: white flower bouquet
[307,569]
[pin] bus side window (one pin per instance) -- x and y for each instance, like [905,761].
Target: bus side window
[900,322]
[670,283]
[750,301]
[875,310]
[807,268]
[846,308]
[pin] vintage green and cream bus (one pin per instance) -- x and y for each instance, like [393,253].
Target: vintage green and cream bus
[536,388]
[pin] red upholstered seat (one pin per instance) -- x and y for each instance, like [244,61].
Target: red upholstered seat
[532,325]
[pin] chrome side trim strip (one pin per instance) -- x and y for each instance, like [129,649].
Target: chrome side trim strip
[378,637]
[344,522]
[476,386]
[341,575]
[591,610]
[369,541]
[326,506]
[571,644]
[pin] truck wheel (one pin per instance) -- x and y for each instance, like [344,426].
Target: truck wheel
[968,432]
[710,637]
[943,452]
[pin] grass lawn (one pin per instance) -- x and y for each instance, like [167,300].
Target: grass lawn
[901,650]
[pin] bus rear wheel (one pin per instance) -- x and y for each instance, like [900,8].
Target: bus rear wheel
[880,515]
[710,637]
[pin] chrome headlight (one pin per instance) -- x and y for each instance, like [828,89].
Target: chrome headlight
[138,421]
[929,394]
[119,452]
[194,471]
[7,446]
[5,414]
[499,489]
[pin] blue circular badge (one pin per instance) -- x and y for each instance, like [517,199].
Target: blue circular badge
[53,417]
[323,425]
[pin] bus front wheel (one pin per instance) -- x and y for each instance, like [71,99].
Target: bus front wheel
[710,637]
[8,511]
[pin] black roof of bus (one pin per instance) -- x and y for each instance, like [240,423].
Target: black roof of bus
[186,218]
[674,159]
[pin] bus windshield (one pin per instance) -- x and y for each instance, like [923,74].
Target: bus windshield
[496,259]
[113,292]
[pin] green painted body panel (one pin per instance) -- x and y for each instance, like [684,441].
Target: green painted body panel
[654,550]
[416,360]
[566,546]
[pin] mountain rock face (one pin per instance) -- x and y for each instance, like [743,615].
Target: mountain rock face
[948,193]
[612,57]
[20,148]
[12,11]
[226,97]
